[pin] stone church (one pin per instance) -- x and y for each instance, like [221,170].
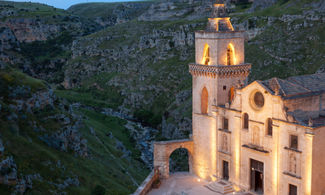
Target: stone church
[266,137]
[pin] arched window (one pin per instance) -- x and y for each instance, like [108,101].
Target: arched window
[231,94]
[206,55]
[204,101]
[245,121]
[230,55]
[293,164]
[269,128]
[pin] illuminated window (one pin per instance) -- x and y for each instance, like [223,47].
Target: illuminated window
[230,55]
[206,55]
[204,101]
[269,127]
[231,94]
[294,142]
[245,121]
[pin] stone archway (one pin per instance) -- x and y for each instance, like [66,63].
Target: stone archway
[179,161]
[163,150]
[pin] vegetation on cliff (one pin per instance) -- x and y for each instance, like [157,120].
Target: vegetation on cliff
[107,67]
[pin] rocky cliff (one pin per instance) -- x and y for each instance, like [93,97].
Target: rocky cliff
[148,68]
[119,80]
[49,145]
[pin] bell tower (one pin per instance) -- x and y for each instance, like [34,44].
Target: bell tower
[219,67]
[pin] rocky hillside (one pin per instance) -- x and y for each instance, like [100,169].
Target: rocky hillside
[110,14]
[48,145]
[141,66]
[105,80]
[36,38]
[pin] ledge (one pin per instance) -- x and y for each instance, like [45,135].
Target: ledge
[225,130]
[256,121]
[292,149]
[173,141]
[223,152]
[291,175]
[223,107]
[219,70]
[256,148]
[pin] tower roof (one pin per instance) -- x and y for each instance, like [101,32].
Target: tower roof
[219,20]
[218,10]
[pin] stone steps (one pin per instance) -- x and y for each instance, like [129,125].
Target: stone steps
[220,187]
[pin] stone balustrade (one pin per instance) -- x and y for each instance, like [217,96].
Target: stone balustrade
[220,70]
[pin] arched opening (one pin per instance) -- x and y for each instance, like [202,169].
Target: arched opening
[230,55]
[179,161]
[231,94]
[245,121]
[206,55]
[204,101]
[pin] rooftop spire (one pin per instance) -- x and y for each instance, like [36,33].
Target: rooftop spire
[219,20]
[218,9]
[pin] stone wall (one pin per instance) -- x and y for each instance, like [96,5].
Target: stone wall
[163,150]
[146,185]
[318,163]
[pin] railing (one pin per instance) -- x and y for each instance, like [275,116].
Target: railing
[146,185]
[213,71]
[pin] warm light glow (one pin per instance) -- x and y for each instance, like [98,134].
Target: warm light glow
[229,24]
[231,55]
[237,156]
[206,55]
[213,154]
[275,162]
[308,169]
[236,188]
[199,180]
[205,162]
[218,5]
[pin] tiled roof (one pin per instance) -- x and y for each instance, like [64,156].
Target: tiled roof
[297,86]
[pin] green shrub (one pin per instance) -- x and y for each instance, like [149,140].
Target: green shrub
[98,190]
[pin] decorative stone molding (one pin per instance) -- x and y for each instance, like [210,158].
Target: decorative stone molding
[220,71]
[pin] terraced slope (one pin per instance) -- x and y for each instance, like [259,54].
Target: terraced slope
[50,146]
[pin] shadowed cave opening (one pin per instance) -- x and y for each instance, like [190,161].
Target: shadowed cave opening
[179,161]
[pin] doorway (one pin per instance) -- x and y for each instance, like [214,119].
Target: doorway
[257,176]
[292,189]
[225,170]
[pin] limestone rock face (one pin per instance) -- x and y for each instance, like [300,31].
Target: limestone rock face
[8,171]
[262,4]
[175,9]
[8,39]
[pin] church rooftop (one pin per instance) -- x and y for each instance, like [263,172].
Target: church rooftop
[297,86]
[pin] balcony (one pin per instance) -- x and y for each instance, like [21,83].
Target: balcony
[219,70]
[256,148]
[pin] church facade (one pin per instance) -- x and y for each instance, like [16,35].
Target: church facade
[267,136]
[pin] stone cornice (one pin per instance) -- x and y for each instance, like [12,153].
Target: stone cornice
[220,71]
